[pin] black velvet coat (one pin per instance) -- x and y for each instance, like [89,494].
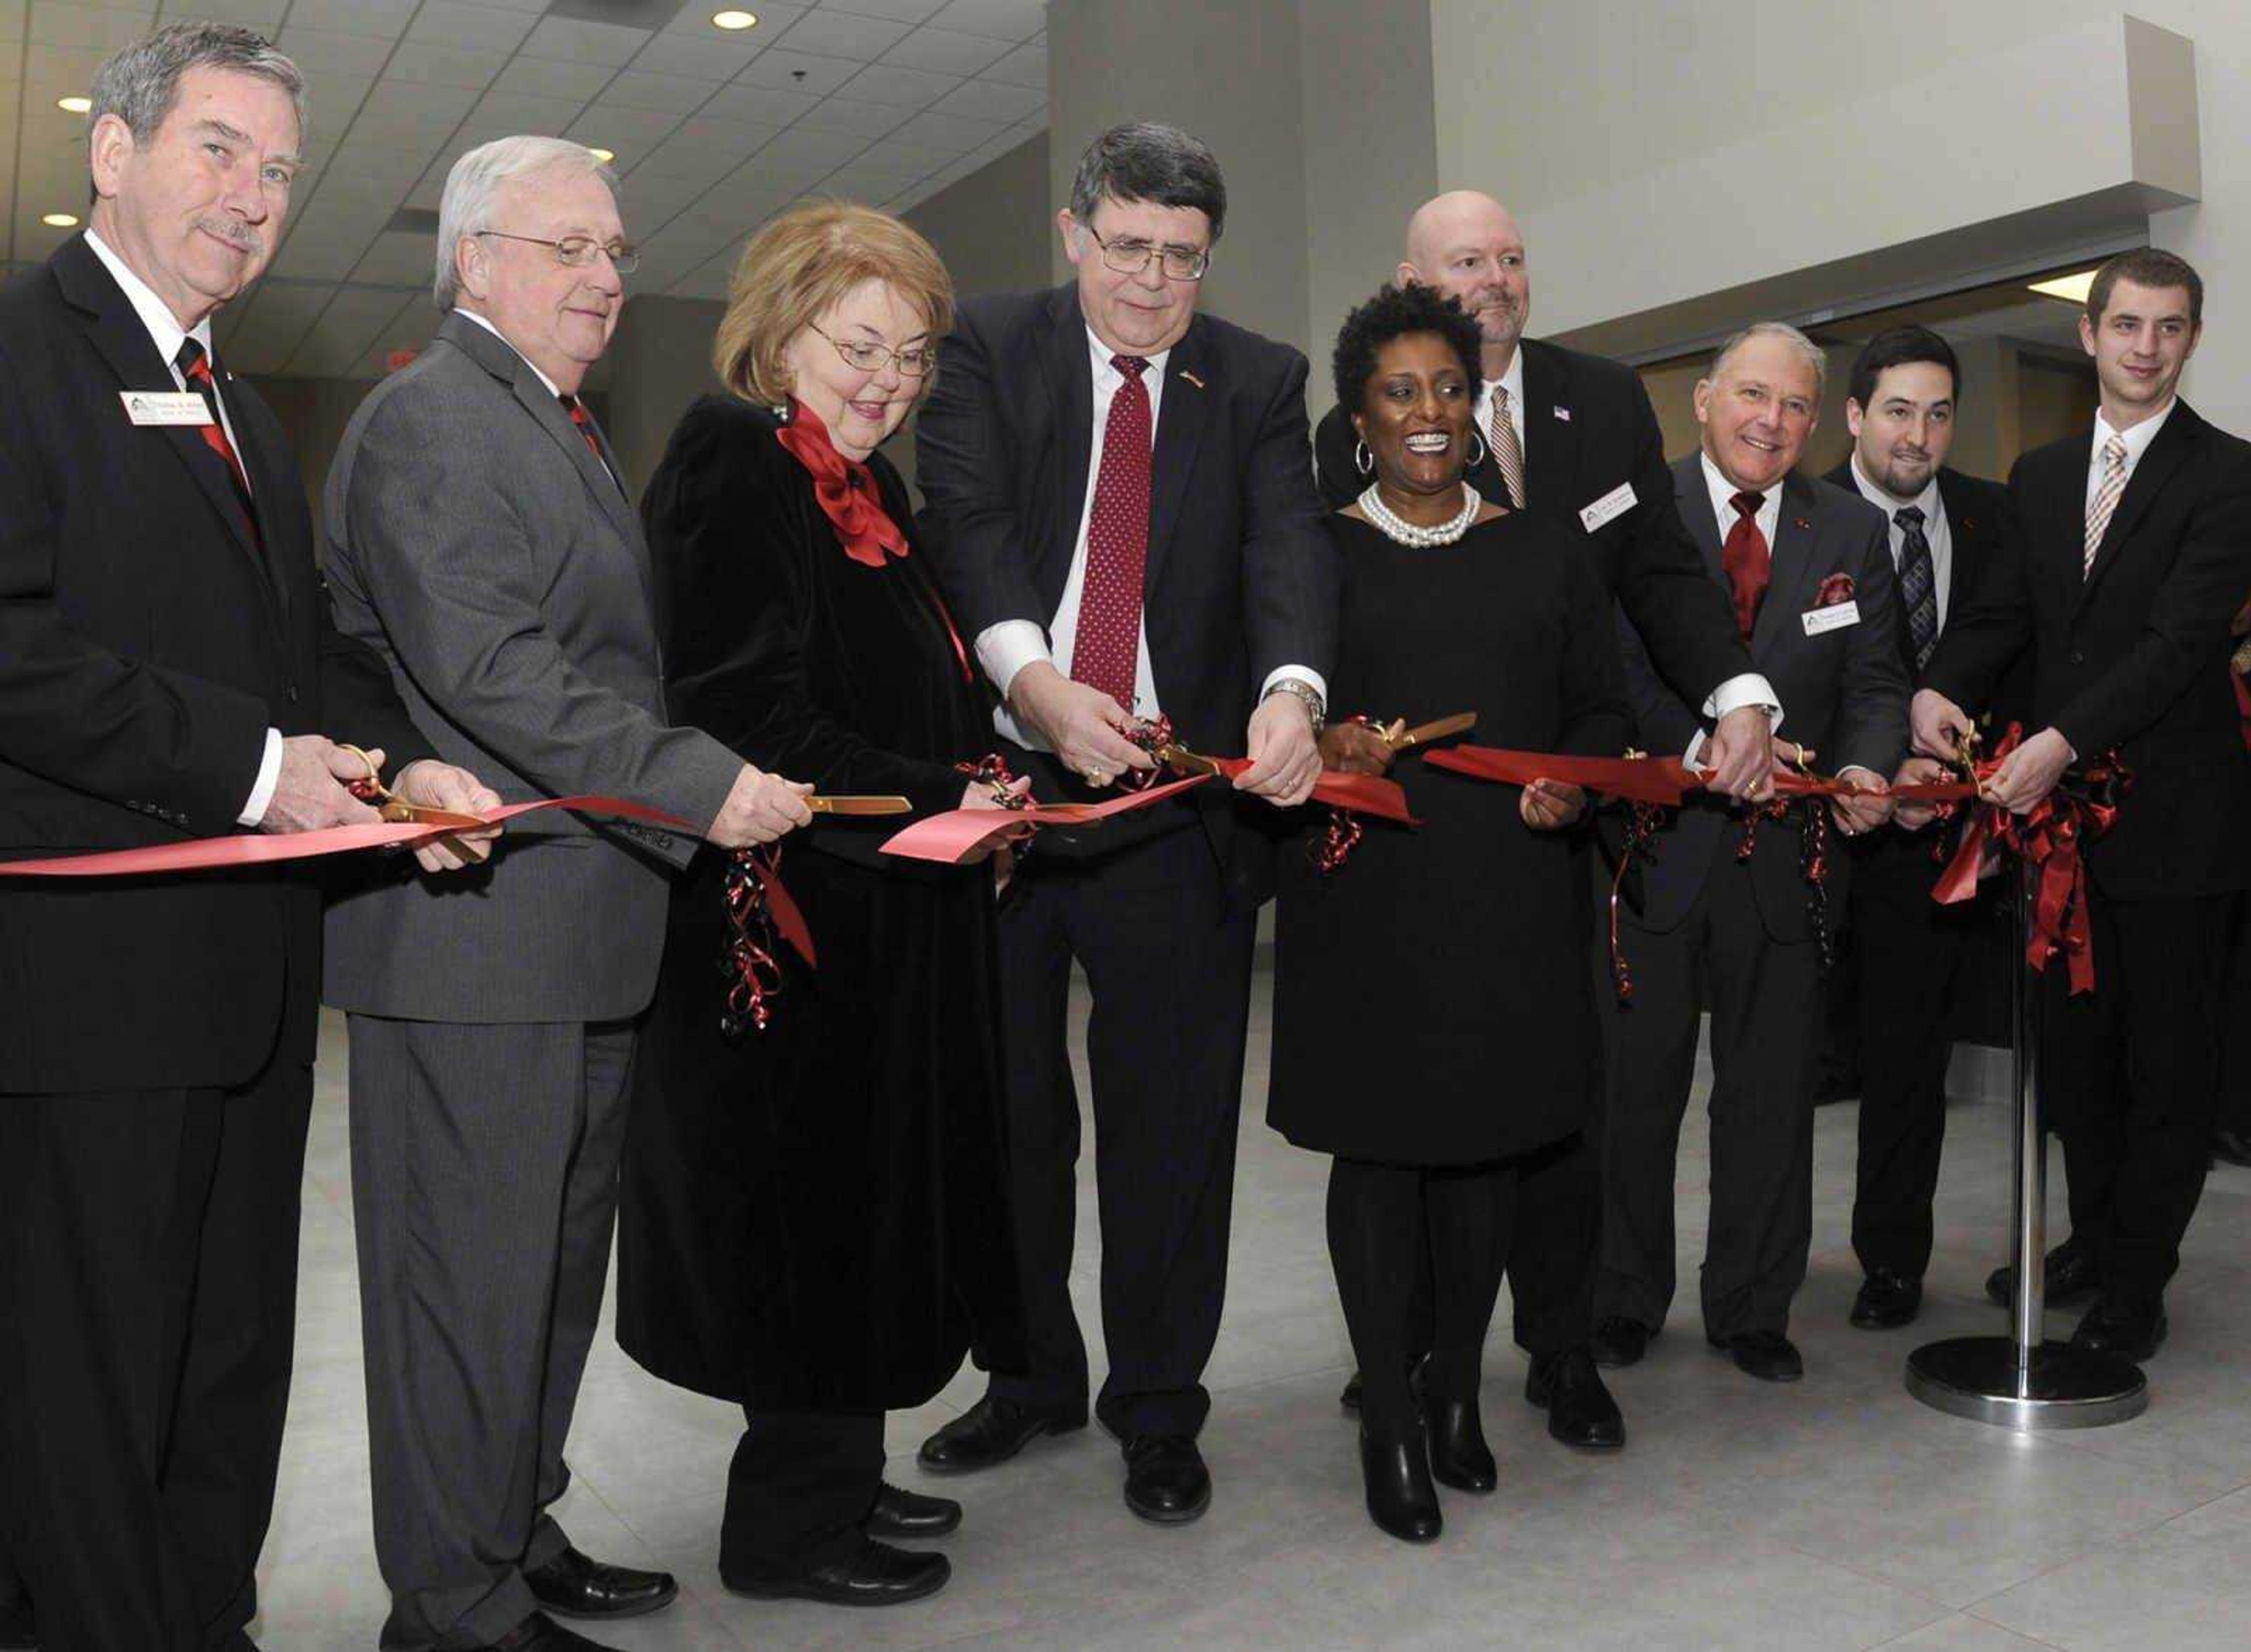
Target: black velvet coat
[814,1218]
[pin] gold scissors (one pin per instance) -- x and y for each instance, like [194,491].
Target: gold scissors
[396,808]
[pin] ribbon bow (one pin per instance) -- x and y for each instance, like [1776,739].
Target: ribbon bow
[845,488]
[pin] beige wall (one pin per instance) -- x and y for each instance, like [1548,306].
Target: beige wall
[659,362]
[992,228]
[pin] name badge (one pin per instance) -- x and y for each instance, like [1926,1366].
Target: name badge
[165,407]
[1835,617]
[1609,508]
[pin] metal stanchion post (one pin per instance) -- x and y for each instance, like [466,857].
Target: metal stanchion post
[2022,1380]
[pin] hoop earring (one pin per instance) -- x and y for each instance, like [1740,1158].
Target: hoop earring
[1477,454]
[1363,461]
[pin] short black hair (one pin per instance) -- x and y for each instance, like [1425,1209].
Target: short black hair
[1896,347]
[2146,267]
[1144,161]
[1395,312]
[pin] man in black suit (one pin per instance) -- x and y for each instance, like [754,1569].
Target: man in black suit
[168,658]
[2136,552]
[1901,953]
[1120,508]
[1573,432]
[1809,571]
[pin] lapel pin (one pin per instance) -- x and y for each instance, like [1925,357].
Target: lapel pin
[1563,413]
[1800,522]
[1192,379]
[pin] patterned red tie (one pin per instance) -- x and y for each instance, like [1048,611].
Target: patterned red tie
[584,422]
[1108,644]
[195,368]
[1746,560]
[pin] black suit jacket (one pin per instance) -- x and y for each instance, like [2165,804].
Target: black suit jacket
[1241,578]
[1588,428]
[2133,654]
[147,642]
[1846,691]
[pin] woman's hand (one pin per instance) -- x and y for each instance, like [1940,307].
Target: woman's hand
[1918,771]
[1356,748]
[1547,805]
[982,794]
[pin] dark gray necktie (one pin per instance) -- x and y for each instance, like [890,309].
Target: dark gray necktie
[1918,585]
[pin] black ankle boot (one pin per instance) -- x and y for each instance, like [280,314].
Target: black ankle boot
[1396,1463]
[1460,1456]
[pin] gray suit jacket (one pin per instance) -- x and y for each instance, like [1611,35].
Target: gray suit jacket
[1843,692]
[476,543]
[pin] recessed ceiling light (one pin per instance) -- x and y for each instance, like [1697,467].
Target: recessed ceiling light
[2073,288]
[600,154]
[74,105]
[60,220]
[734,19]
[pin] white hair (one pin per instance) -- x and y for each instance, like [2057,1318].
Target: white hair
[474,184]
[1814,356]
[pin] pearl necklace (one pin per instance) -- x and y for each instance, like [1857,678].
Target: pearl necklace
[1392,525]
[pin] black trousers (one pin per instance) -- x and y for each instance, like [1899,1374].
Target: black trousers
[147,1310]
[1388,1223]
[1909,951]
[2129,1075]
[1168,965]
[2235,1049]
[800,1484]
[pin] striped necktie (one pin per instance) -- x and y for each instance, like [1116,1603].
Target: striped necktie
[195,368]
[1918,584]
[2105,500]
[1507,451]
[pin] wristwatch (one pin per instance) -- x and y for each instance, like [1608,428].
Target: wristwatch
[1306,695]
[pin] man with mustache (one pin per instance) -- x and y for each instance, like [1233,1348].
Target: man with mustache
[481,542]
[166,660]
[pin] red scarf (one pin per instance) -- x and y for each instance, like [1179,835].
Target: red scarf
[845,488]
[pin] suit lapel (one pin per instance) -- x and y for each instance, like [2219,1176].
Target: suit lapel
[2166,451]
[1551,445]
[1181,416]
[1792,561]
[1069,365]
[1695,501]
[267,489]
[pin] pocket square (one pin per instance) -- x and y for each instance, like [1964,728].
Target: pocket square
[1837,588]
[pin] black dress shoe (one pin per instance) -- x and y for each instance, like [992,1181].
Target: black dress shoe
[1619,1341]
[540,1633]
[1394,1462]
[1350,1398]
[1166,1480]
[17,1632]
[2071,1271]
[2232,1147]
[2122,1328]
[574,1586]
[990,1432]
[1460,1456]
[1887,1300]
[1580,1409]
[877,1575]
[908,1514]
[1767,1354]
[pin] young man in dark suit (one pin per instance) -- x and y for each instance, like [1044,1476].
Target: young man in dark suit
[2136,552]
[1121,511]
[168,660]
[1901,953]
[1809,574]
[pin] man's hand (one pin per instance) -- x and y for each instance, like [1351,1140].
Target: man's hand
[1867,808]
[1740,752]
[309,793]
[980,795]
[1546,805]
[2029,773]
[1918,771]
[1354,748]
[430,784]
[1285,762]
[759,807]
[1083,727]
[1940,725]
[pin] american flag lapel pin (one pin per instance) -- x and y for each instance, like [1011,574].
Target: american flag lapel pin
[1192,379]
[1563,413]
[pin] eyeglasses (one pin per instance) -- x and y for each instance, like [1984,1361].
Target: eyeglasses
[1130,257]
[575,252]
[918,363]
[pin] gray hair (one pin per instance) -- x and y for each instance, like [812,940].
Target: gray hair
[474,186]
[1142,161]
[1814,356]
[141,83]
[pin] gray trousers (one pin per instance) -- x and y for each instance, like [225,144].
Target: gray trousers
[484,1193]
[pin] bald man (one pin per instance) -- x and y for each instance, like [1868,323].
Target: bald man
[1575,435]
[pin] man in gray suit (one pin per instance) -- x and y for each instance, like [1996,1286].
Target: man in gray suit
[479,540]
[1807,567]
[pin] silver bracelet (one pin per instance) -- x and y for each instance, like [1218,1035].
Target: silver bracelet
[1306,695]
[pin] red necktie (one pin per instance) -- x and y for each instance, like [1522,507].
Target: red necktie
[195,367]
[1746,560]
[584,422]
[1108,644]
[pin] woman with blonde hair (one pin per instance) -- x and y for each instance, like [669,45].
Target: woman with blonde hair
[815,1213]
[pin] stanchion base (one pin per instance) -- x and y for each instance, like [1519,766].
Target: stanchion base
[1977,1378]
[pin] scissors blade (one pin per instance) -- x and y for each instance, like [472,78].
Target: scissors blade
[1184,761]
[403,813]
[1459,723]
[873,803]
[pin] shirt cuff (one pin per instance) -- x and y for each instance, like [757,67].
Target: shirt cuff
[1304,674]
[1749,689]
[269,776]
[1007,647]
[1695,746]
[1860,768]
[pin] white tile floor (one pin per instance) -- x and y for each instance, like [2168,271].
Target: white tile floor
[1838,1513]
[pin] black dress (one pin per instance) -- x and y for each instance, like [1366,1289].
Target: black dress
[1433,1002]
[814,1218]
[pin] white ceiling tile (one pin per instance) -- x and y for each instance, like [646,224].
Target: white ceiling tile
[1026,65]
[346,329]
[900,10]
[319,51]
[398,259]
[671,94]
[710,56]
[701,153]
[845,114]
[506,113]
[695,18]
[951,135]
[278,314]
[629,132]
[990,100]
[321,258]
[386,18]
[843,34]
[432,65]
[265,16]
[94,28]
[470,28]
[946,51]
[63,68]
[769,105]
[1002,19]
[797,71]
[576,42]
[650,199]
[553,78]
[908,88]
[801,147]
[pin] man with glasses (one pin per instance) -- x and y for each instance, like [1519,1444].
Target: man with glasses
[480,541]
[1122,511]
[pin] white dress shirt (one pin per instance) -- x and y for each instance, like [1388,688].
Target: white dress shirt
[166,333]
[1008,647]
[1936,532]
[1512,381]
[2138,441]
